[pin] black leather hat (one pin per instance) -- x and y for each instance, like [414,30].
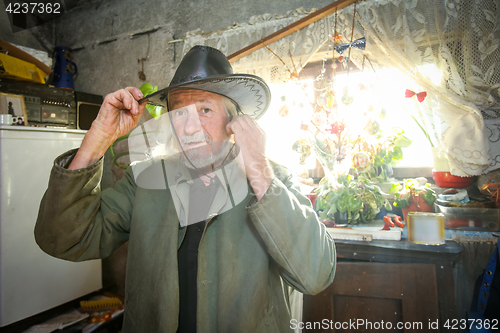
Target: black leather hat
[205,68]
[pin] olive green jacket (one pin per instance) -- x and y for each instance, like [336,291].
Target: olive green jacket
[248,255]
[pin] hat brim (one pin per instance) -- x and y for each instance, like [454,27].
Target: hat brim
[249,92]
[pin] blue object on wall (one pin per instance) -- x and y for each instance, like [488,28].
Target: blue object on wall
[64,69]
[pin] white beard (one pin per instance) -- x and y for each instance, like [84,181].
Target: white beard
[208,156]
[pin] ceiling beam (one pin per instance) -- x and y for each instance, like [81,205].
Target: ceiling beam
[317,15]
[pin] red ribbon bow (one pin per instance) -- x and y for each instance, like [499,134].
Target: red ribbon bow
[420,96]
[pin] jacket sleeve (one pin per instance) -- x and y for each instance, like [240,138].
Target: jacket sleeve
[76,221]
[295,239]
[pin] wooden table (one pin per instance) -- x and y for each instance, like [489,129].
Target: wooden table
[389,281]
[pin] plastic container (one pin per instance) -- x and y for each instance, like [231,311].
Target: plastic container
[463,218]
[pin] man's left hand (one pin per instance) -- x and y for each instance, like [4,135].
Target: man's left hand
[252,141]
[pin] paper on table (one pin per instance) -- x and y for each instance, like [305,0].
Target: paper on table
[42,328]
[58,322]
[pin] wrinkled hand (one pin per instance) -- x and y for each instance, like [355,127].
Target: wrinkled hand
[119,114]
[252,141]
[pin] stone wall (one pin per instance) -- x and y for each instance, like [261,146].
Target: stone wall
[109,39]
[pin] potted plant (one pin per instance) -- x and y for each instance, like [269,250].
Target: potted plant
[414,195]
[384,153]
[349,201]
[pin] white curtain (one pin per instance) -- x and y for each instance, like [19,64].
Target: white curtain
[460,38]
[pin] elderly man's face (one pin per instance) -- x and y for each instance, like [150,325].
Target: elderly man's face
[201,128]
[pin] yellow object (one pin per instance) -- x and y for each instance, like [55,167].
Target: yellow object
[17,69]
[426,228]
[100,305]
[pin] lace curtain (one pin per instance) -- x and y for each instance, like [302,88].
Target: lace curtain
[459,37]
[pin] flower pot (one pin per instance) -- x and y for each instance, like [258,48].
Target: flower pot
[340,218]
[417,204]
[312,197]
[446,179]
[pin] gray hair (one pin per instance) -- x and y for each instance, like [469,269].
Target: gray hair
[230,107]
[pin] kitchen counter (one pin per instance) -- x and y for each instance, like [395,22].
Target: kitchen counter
[396,281]
[382,250]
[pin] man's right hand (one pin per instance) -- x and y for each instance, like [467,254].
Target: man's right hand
[119,114]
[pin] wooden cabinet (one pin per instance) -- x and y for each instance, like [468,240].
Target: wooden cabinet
[379,286]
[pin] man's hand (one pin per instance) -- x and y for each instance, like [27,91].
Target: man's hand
[119,113]
[252,141]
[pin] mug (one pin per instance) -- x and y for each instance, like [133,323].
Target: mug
[5,119]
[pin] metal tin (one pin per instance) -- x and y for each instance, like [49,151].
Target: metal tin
[426,228]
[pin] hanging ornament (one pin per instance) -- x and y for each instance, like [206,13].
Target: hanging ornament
[347,99]
[360,160]
[370,108]
[322,100]
[334,65]
[321,83]
[284,110]
[372,128]
[294,76]
[382,114]
[329,98]
[302,147]
[340,59]
[337,37]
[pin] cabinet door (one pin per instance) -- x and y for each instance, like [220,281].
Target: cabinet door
[375,297]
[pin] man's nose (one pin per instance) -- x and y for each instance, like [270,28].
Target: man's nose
[192,124]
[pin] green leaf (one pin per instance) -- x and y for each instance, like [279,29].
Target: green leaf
[148,89]
[400,204]
[154,110]
[398,130]
[402,142]
[395,188]
[332,210]
[354,204]
[429,196]
[397,154]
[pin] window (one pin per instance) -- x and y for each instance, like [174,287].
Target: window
[375,95]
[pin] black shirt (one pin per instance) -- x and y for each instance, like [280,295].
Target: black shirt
[200,200]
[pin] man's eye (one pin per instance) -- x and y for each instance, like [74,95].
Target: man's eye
[179,113]
[206,110]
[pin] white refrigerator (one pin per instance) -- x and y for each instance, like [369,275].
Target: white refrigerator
[31,281]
